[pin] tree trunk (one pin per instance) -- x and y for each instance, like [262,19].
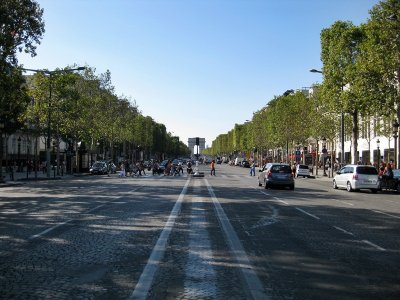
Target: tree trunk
[355,156]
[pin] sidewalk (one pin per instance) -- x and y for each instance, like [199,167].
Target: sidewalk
[20,177]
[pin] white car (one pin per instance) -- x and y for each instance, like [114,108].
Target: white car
[302,170]
[356,177]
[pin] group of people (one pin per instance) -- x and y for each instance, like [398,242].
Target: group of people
[385,171]
[131,169]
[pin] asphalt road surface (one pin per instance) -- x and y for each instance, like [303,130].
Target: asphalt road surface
[217,237]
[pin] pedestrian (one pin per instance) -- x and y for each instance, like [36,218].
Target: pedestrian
[213,167]
[253,169]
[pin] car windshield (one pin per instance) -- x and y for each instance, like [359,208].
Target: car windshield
[281,169]
[367,170]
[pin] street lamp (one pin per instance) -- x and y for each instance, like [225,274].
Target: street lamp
[341,125]
[324,154]
[395,136]
[50,73]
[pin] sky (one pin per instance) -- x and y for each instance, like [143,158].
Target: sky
[198,67]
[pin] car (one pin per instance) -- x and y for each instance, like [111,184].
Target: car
[391,184]
[302,170]
[276,175]
[357,177]
[245,164]
[99,167]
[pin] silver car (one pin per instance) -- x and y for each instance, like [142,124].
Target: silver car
[276,174]
[357,177]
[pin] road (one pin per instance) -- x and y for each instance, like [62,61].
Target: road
[222,237]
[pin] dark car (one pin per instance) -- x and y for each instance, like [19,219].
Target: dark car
[276,175]
[99,167]
[245,164]
[391,184]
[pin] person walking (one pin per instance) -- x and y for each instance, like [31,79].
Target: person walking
[213,167]
[253,169]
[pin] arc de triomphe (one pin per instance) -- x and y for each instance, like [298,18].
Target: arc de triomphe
[192,143]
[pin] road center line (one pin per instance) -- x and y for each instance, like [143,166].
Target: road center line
[146,278]
[254,285]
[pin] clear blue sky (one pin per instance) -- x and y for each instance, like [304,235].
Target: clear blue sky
[198,67]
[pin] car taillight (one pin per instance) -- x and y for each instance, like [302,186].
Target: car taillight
[269,174]
[355,176]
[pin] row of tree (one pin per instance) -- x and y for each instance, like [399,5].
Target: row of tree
[361,80]
[77,106]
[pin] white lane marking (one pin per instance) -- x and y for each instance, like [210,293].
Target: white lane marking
[146,278]
[386,214]
[344,202]
[70,220]
[200,275]
[254,284]
[343,230]
[374,245]
[48,230]
[307,213]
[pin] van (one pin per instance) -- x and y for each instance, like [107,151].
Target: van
[302,170]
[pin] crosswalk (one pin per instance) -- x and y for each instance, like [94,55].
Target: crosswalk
[185,175]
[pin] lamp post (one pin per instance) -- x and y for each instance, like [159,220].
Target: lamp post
[378,143]
[395,136]
[50,74]
[324,154]
[341,125]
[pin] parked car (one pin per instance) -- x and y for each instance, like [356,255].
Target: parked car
[99,167]
[391,184]
[276,174]
[302,170]
[357,177]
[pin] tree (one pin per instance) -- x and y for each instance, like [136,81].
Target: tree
[340,46]
[21,28]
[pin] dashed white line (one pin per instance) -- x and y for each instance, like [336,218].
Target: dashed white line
[44,232]
[374,245]
[343,230]
[307,213]
[386,214]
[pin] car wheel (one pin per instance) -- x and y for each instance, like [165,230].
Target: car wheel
[349,187]
[265,185]
[374,191]
[291,187]
[335,185]
[259,183]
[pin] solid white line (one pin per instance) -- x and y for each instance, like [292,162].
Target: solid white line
[254,284]
[374,245]
[307,213]
[146,278]
[381,212]
[343,230]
